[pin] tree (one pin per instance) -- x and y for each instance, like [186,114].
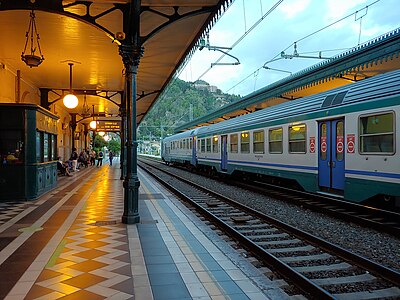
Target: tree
[114,145]
[99,143]
[178,104]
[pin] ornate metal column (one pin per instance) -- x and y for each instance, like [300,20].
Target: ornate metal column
[85,132]
[123,137]
[131,51]
[73,128]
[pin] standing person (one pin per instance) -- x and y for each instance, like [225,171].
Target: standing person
[74,159]
[92,158]
[100,159]
[111,156]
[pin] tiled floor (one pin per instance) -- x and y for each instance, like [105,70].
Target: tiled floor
[78,249]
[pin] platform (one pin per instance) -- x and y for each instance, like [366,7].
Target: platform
[70,244]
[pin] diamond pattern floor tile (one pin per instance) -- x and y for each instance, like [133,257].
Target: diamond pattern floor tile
[95,261]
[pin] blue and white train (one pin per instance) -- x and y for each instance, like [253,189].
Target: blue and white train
[343,141]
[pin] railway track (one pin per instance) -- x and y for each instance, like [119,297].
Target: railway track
[367,216]
[320,269]
[376,218]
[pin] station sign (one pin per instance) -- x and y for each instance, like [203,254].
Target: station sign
[108,126]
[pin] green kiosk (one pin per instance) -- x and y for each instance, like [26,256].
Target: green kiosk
[28,151]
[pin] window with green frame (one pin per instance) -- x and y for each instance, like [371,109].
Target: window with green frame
[233,138]
[377,133]
[245,142]
[215,148]
[208,144]
[275,138]
[297,138]
[203,145]
[258,141]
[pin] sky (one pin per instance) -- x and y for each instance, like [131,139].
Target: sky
[318,27]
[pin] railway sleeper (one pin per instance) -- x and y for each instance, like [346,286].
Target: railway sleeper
[292,249]
[393,292]
[321,268]
[247,227]
[256,231]
[344,280]
[305,258]
[266,237]
[282,242]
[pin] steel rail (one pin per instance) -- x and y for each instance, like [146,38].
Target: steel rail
[389,222]
[387,273]
[302,282]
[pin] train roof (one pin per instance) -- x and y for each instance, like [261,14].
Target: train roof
[377,87]
[182,135]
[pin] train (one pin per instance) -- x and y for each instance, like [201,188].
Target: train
[341,142]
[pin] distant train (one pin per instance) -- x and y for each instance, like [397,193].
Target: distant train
[343,142]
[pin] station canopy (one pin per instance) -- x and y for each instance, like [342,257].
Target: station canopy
[88,33]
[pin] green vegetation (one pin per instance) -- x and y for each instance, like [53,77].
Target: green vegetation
[113,143]
[182,102]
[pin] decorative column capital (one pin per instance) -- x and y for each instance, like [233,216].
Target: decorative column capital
[131,54]
[122,111]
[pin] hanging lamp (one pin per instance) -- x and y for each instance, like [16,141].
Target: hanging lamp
[32,38]
[70,100]
[93,124]
[85,107]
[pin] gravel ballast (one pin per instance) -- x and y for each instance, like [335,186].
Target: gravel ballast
[379,247]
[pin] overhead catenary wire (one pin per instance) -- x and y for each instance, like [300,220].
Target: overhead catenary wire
[301,39]
[243,36]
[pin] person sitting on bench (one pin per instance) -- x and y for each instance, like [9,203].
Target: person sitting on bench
[62,167]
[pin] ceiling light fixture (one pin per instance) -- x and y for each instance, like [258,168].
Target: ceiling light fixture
[70,100]
[32,38]
[93,124]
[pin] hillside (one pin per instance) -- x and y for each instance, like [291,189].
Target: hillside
[183,101]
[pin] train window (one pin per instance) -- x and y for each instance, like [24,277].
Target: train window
[245,142]
[215,144]
[208,144]
[184,144]
[234,143]
[377,133]
[323,136]
[203,145]
[258,141]
[297,138]
[190,144]
[275,138]
[180,144]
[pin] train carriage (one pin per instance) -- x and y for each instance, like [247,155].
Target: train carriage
[180,148]
[341,141]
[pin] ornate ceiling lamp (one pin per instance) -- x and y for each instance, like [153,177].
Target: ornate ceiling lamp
[70,100]
[93,124]
[32,38]
[85,108]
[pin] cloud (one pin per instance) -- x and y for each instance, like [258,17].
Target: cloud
[293,8]
[293,20]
